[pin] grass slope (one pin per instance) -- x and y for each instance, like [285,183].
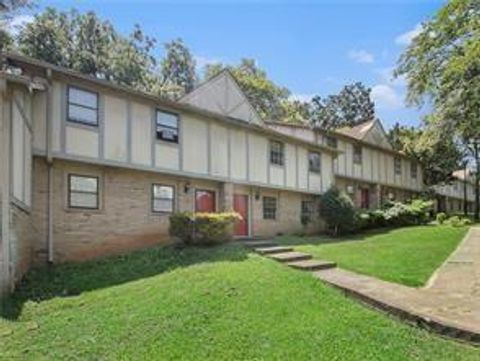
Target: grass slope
[201,304]
[407,255]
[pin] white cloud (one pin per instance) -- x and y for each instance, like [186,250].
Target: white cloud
[361,56]
[386,97]
[387,77]
[202,61]
[406,38]
[302,97]
[18,22]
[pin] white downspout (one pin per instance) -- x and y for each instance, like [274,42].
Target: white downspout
[49,167]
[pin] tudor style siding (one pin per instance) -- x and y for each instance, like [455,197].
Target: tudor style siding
[207,148]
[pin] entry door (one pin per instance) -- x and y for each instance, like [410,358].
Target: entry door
[365,198]
[204,201]
[240,205]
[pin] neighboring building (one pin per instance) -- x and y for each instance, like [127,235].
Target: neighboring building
[450,197]
[89,168]
[367,168]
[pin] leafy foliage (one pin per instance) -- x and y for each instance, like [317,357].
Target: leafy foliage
[442,67]
[203,228]
[337,209]
[350,107]
[8,9]
[441,217]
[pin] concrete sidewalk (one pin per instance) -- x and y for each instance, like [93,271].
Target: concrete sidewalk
[449,304]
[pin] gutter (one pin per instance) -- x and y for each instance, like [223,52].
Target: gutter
[49,166]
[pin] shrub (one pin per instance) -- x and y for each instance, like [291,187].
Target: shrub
[336,208]
[441,217]
[203,228]
[457,221]
[404,214]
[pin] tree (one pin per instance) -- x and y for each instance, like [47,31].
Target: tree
[177,70]
[8,9]
[266,97]
[337,209]
[350,107]
[438,156]
[442,66]
[85,43]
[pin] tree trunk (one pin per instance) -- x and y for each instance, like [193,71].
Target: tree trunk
[477,181]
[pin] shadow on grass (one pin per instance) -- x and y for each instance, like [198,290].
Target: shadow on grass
[326,239]
[75,278]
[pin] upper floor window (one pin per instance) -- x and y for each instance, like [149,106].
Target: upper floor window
[276,152]
[331,142]
[413,170]
[83,192]
[162,198]
[397,164]
[167,126]
[82,106]
[357,154]
[314,162]
[269,208]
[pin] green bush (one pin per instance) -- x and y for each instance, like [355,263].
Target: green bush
[336,208]
[441,217]
[456,221]
[203,228]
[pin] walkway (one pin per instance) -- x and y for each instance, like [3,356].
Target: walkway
[449,304]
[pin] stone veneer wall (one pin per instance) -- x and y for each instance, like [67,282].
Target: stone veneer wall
[125,221]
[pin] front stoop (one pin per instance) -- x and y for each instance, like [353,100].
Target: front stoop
[273,249]
[312,265]
[290,256]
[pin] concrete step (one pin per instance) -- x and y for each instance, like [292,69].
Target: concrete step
[273,249]
[290,256]
[258,244]
[312,265]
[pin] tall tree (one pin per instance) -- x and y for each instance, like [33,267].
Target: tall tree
[438,156]
[266,96]
[85,43]
[8,9]
[442,65]
[351,106]
[177,70]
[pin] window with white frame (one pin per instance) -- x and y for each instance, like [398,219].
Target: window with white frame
[167,126]
[269,208]
[357,154]
[163,197]
[314,162]
[276,152]
[307,211]
[82,106]
[83,191]
[413,170]
[397,164]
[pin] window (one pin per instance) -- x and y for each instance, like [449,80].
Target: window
[276,152]
[82,106]
[331,142]
[397,164]
[413,170]
[357,154]
[204,201]
[167,126]
[82,192]
[269,208]
[314,162]
[308,211]
[162,198]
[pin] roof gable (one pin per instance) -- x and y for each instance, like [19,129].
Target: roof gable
[223,95]
[371,132]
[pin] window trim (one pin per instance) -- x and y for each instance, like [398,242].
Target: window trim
[282,154]
[153,198]
[310,152]
[264,198]
[395,168]
[97,109]
[308,214]
[177,128]
[354,155]
[69,191]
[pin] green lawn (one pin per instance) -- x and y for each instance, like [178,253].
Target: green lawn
[407,255]
[219,303]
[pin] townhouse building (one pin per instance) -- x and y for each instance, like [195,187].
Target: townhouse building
[89,168]
[451,196]
[367,168]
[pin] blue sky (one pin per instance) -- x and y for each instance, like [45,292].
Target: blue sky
[311,47]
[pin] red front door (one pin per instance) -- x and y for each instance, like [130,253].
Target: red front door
[240,205]
[204,201]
